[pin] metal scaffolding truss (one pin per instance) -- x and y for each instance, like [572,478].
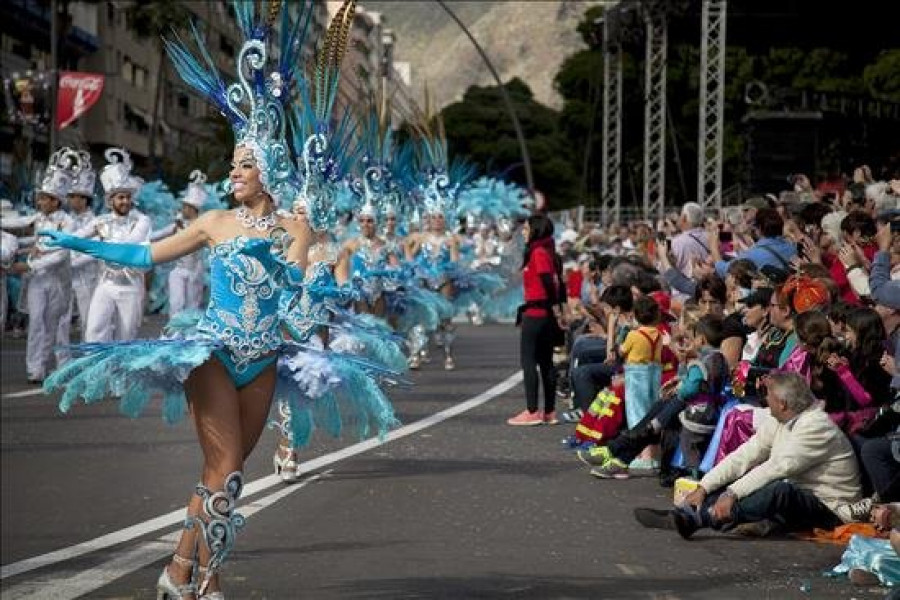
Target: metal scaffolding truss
[655,110]
[611,190]
[712,88]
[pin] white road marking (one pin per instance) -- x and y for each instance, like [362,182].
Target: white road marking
[264,483]
[68,586]
[24,394]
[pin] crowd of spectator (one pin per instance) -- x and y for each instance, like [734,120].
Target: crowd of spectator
[752,353]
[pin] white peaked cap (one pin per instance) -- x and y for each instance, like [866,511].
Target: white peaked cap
[116,176]
[195,195]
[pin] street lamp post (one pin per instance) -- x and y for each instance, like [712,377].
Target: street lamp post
[523,147]
[54,73]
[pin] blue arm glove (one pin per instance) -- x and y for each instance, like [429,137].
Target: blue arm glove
[286,274]
[129,255]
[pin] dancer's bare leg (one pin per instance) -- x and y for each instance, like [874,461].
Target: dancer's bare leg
[228,425]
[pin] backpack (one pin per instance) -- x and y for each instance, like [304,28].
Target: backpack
[603,419]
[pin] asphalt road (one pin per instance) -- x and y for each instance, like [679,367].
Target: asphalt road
[457,506]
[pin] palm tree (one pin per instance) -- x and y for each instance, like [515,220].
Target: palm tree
[154,20]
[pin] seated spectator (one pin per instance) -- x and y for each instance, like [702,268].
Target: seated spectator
[771,249]
[686,414]
[848,266]
[796,473]
[690,245]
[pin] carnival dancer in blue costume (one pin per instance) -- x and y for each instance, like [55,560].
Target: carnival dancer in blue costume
[369,261]
[341,356]
[226,368]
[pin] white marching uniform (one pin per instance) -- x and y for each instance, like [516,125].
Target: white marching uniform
[9,245]
[48,294]
[186,283]
[117,306]
[85,269]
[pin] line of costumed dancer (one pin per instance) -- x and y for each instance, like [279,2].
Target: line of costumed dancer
[305,309]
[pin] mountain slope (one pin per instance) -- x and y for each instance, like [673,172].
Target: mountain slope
[525,39]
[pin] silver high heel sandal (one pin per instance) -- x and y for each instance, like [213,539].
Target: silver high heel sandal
[284,461]
[209,595]
[166,589]
[287,468]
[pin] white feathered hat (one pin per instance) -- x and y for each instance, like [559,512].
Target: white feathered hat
[116,176]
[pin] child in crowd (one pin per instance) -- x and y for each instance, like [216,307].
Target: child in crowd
[642,354]
[687,413]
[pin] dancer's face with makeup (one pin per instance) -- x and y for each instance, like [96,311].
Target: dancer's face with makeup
[244,176]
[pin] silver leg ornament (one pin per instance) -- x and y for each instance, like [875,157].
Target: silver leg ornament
[446,335]
[283,423]
[476,315]
[219,523]
[416,343]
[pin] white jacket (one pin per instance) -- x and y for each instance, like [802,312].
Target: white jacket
[809,451]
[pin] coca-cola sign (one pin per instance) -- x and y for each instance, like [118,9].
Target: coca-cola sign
[77,93]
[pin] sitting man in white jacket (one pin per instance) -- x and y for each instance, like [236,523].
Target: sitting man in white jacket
[798,472]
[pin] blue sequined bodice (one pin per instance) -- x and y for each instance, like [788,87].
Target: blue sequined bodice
[368,257]
[243,303]
[435,252]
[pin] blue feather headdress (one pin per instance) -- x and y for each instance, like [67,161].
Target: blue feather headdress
[379,194]
[440,180]
[488,199]
[255,104]
[321,141]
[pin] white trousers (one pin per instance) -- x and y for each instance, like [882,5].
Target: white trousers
[115,312]
[48,301]
[185,290]
[84,282]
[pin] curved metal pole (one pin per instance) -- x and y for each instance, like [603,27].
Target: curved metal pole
[523,147]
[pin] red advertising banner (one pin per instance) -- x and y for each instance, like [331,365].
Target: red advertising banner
[77,93]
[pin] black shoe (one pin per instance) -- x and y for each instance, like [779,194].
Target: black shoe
[35,381]
[655,519]
[685,523]
[759,529]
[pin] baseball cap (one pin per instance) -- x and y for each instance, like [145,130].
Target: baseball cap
[756,202]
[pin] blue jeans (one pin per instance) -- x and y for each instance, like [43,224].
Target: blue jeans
[794,509]
[587,349]
[589,379]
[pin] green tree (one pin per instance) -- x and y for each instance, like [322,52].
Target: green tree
[480,130]
[882,77]
[152,20]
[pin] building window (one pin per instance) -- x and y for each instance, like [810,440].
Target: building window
[127,70]
[110,13]
[184,103]
[140,77]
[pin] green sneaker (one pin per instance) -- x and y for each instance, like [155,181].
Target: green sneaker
[613,469]
[595,457]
